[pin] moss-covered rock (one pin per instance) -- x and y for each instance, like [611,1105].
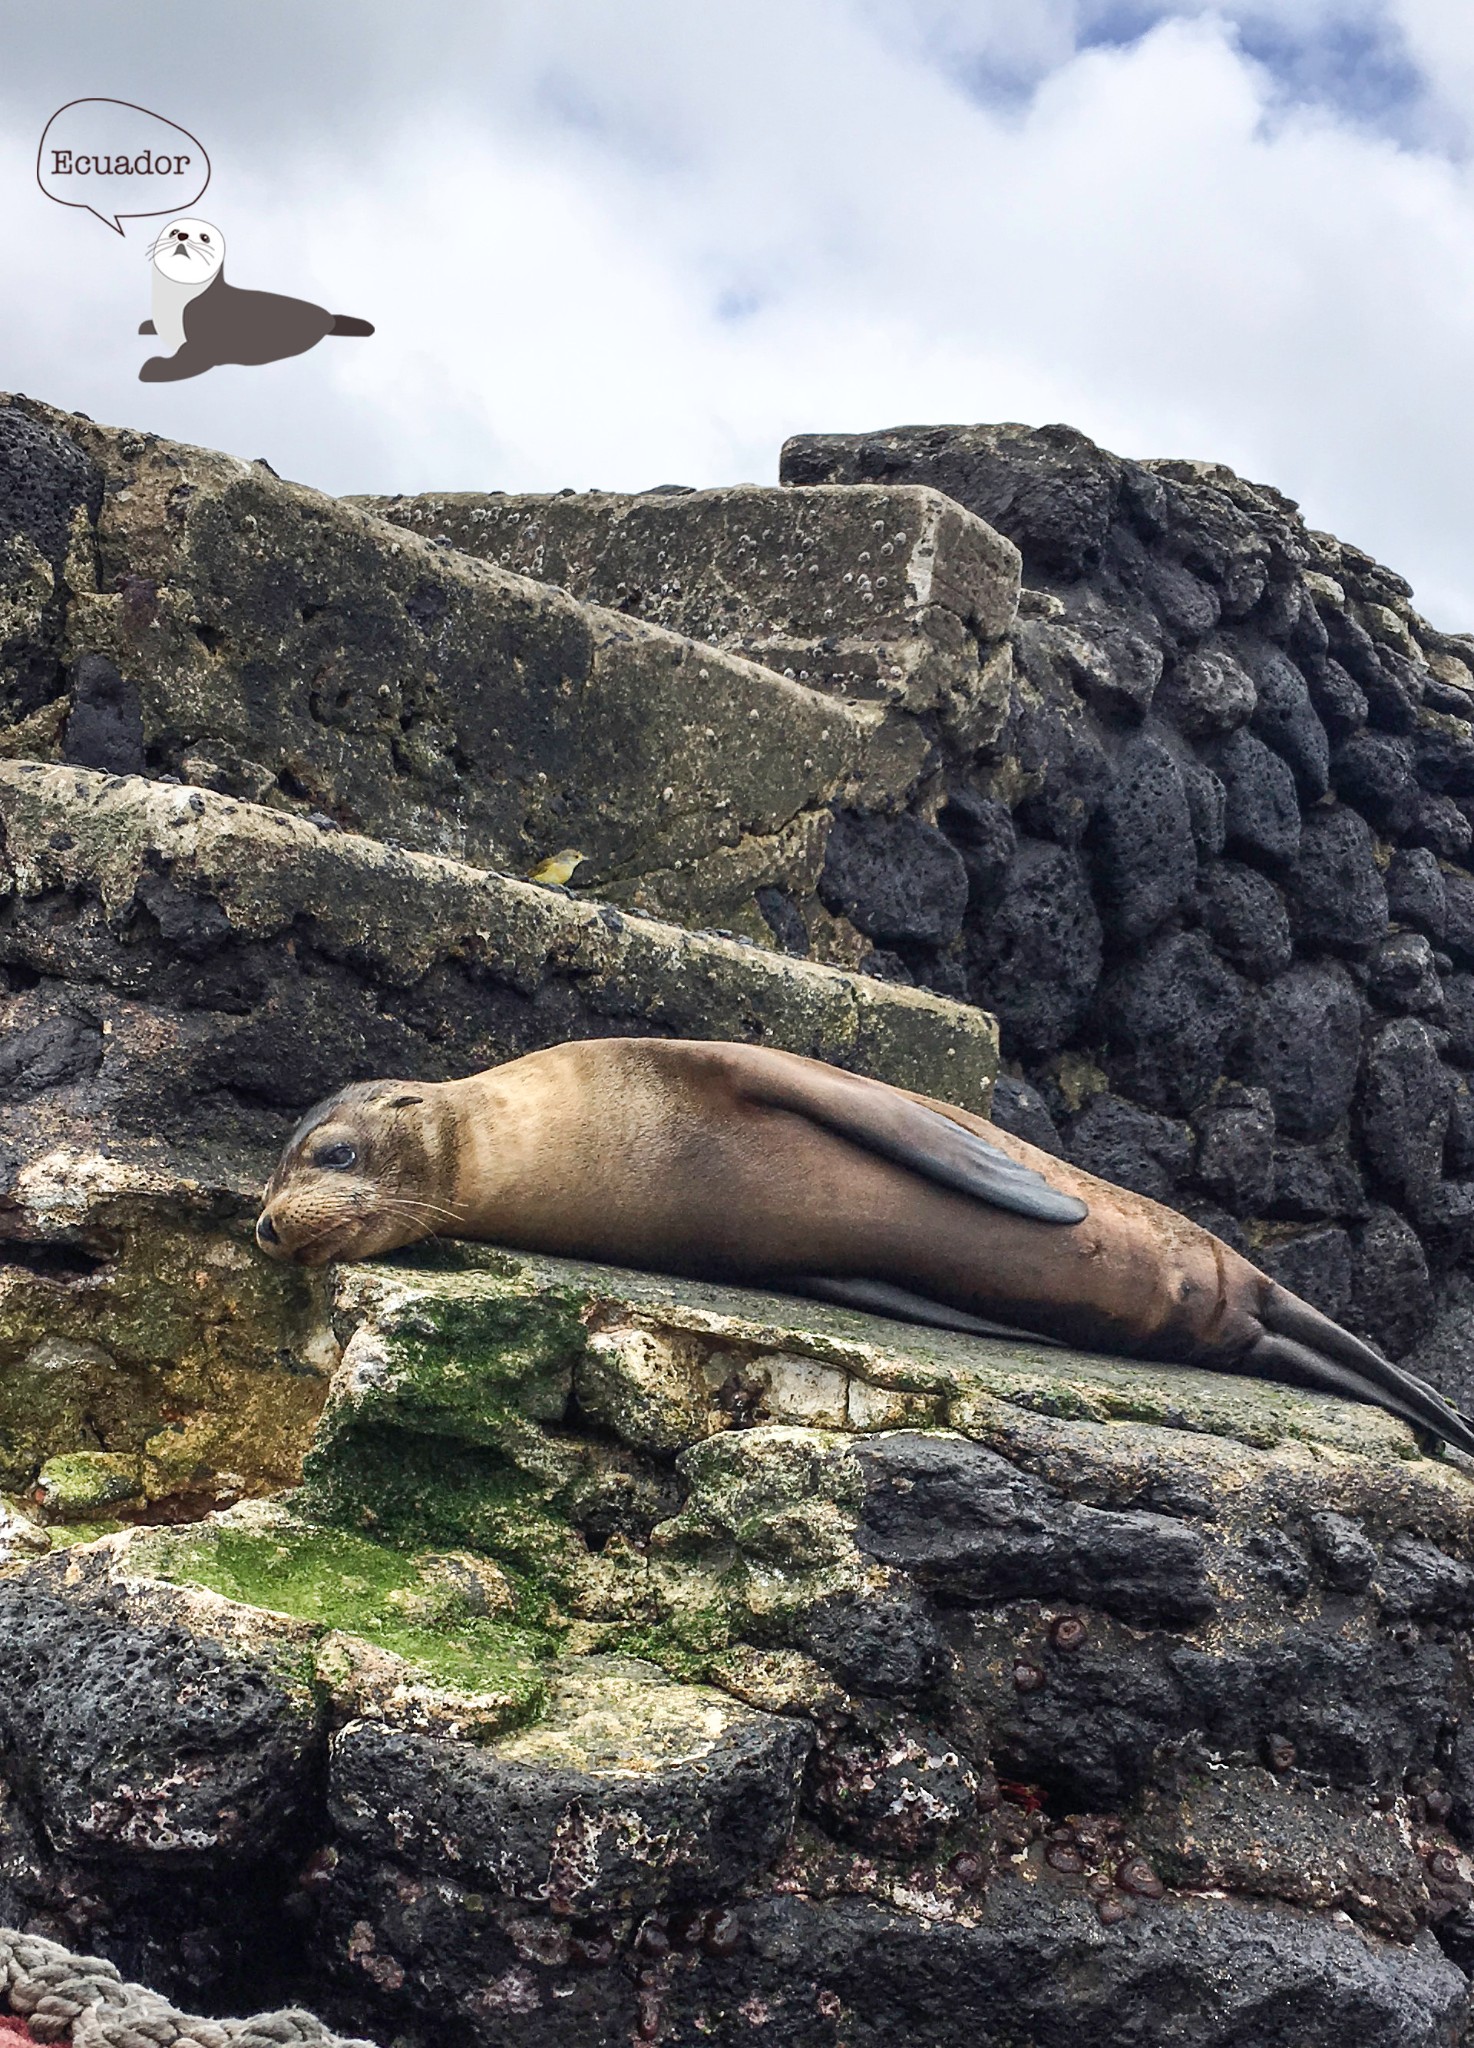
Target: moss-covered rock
[1041,1620]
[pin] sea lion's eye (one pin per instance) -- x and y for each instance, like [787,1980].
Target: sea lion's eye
[335,1155]
[204,238]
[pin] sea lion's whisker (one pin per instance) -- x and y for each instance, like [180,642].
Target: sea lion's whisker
[406,1203]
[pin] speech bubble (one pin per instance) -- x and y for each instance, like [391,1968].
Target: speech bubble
[119,162]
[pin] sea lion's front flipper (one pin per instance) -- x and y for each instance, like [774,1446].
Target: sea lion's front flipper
[1306,1346]
[147,327]
[187,361]
[883,1120]
[881,1298]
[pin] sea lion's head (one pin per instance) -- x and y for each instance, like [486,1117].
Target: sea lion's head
[364,1172]
[188,251]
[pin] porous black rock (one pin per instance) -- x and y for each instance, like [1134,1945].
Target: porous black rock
[1285,719]
[1353,647]
[1405,1109]
[784,919]
[106,1784]
[1443,750]
[1444,1355]
[1334,888]
[1316,1265]
[889,1783]
[104,727]
[1235,1158]
[62,1047]
[1442,827]
[1050,489]
[1458,923]
[1186,605]
[1143,854]
[1456,1020]
[1170,1017]
[982,831]
[1415,891]
[1134,1147]
[1341,1549]
[1066,766]
[1419,1582]
[1311,1182]
[1458,1145]
[1207,693]
[48,486]
[1022,1111]
[1035,960]
[1402,976]
[896,879]
[1236,1975]
[696,1828]
[1391,1295]
[45,480]
[1261,809]
[1339,700]
[1374,773]
[1206,802]
[967,1525]
[1304,1047]
[1244,914]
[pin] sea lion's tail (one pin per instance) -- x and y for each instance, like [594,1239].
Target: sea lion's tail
[344,323]
[1304,1346]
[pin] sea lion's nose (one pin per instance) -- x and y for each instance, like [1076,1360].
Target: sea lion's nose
[266,1231]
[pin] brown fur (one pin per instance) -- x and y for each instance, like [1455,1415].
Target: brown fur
[651,1152]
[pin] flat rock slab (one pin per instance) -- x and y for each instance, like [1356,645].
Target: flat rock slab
[895,595]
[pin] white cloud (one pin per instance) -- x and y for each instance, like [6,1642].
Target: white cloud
[637,245]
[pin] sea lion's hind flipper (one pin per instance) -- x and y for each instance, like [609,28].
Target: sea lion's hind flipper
[880,1298]
[884,1121]
[1303,1345]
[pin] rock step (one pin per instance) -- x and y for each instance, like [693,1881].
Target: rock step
[202,618]
[892,595]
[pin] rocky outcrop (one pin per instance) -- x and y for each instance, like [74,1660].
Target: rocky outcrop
[177,612]
[641,1656]
[480,1644]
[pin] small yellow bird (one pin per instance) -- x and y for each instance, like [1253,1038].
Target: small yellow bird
[559,866]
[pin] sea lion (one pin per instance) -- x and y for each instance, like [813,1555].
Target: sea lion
[739,1163]
[206,321]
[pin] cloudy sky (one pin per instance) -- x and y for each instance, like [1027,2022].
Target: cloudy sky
[628,242]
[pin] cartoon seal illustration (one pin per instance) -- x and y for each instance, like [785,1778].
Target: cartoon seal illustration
[740,1163]
[204,321]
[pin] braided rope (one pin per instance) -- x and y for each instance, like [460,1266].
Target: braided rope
[82,1998]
